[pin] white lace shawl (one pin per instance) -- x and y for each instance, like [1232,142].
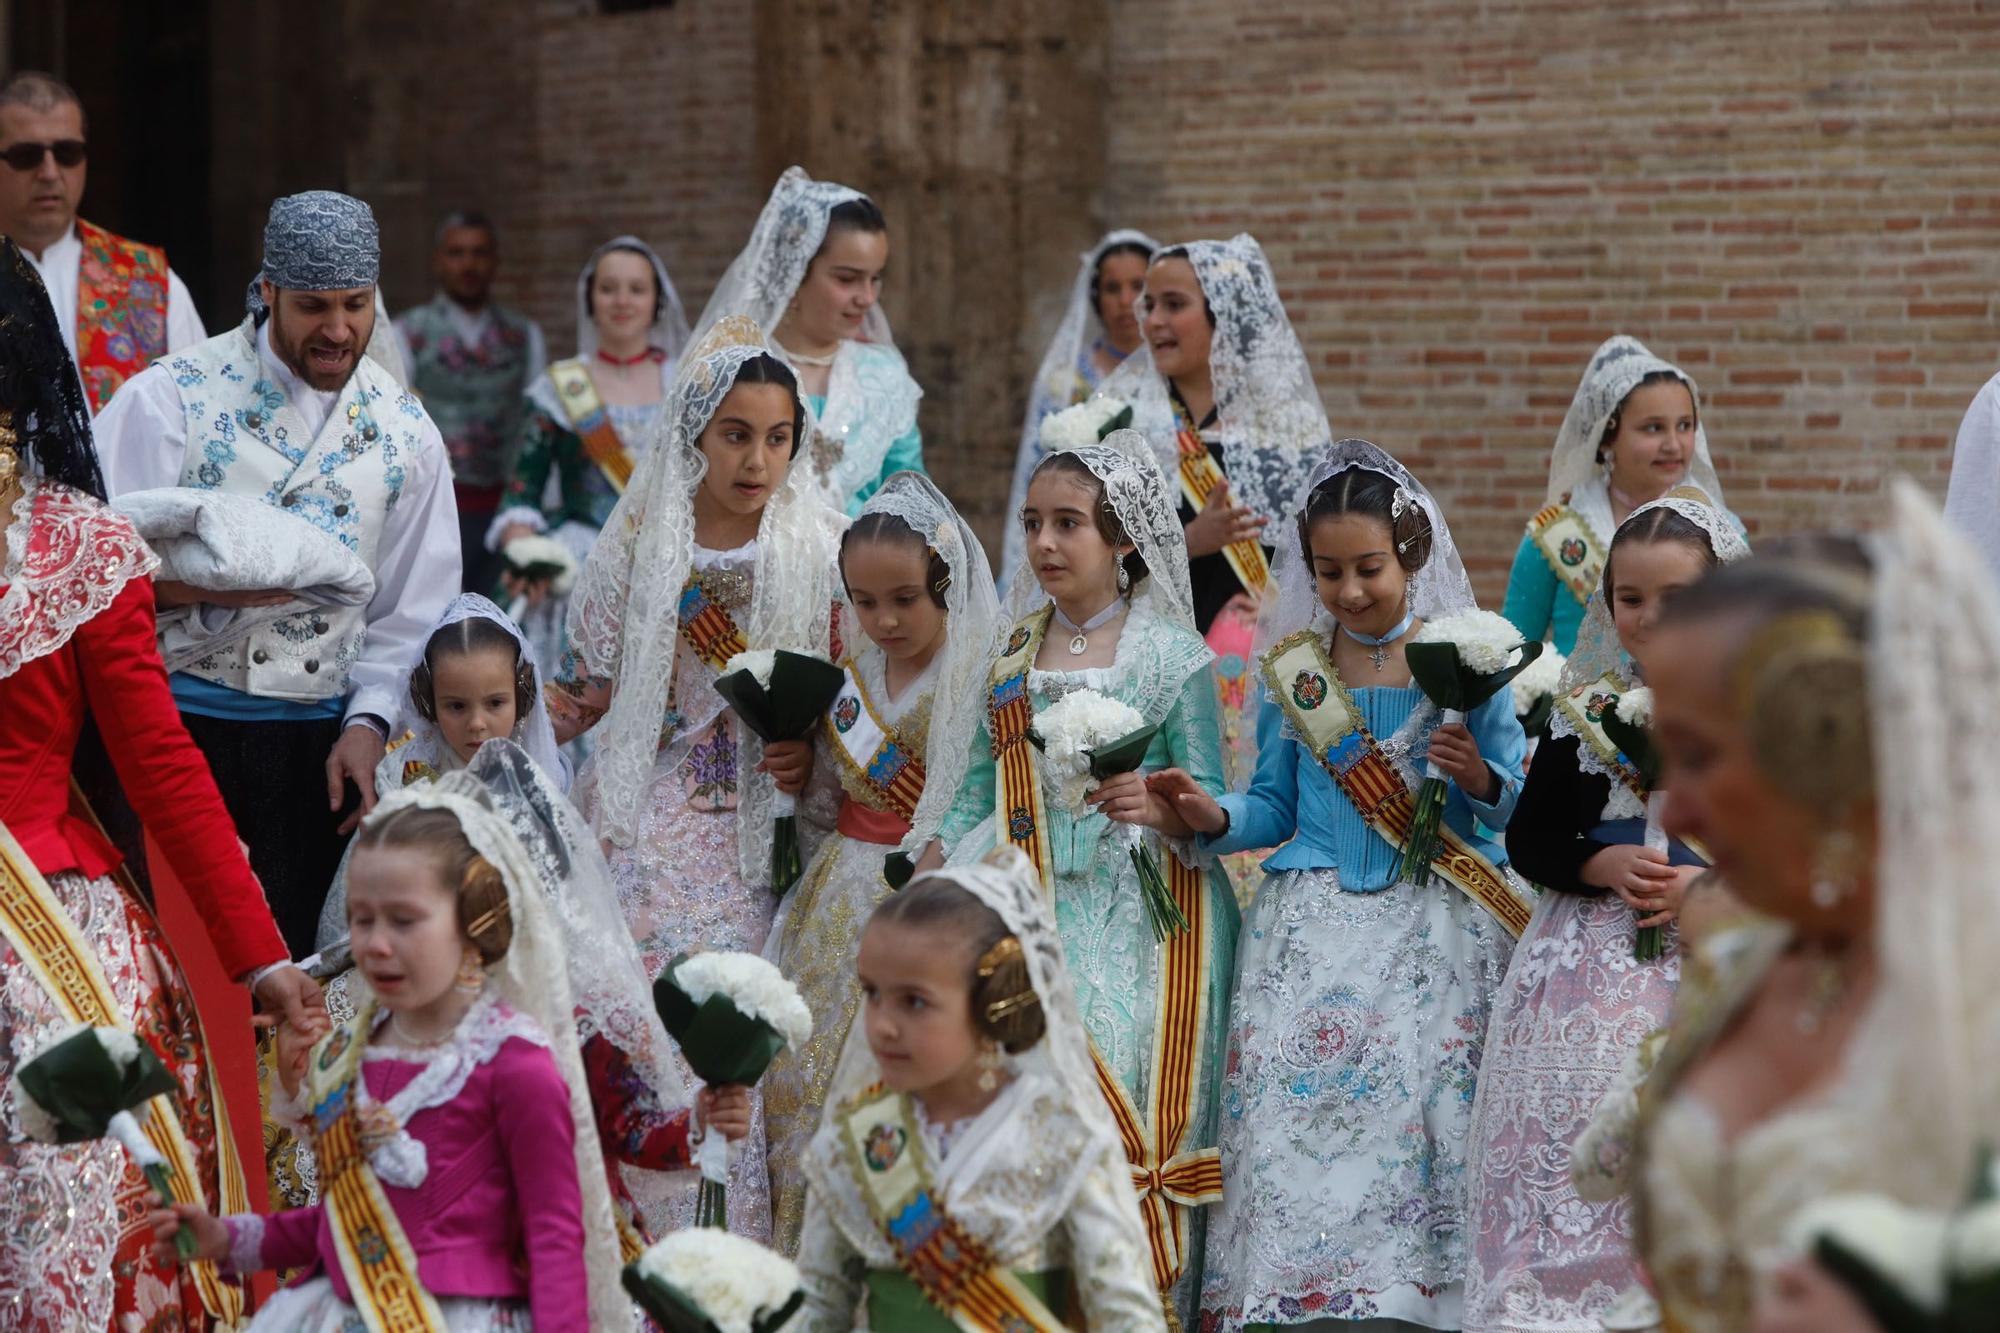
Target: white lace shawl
[1011,1175]
[1055,379]
[669,332]
[1267,407]
[625,610]
[1616,368]
[972,637]
[871,402]
[533,977]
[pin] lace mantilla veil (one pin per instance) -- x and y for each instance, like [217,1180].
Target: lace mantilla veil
[1145,505]
[1054,377]
[1267,407]
[1440,588]
[625,610]
[1617,367]
[534,978]
[1006,881]
[669,332]
[972,637]
[535,733]
[1597,650]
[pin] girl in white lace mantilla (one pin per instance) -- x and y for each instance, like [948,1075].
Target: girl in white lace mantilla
[1361,998]
[812,276]
[1829,729]
[888,759]
[1577,998]
[967,1091]
[1107,610]
[720,544]
[464,1178]
[1632,433]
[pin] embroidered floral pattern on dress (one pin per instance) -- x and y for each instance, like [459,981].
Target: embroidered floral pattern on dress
[68,556]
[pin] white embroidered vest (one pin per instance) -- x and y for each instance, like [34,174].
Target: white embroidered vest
[245,437]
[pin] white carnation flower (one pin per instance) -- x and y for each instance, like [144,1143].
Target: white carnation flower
[1073,726]
[1635,707]
[753,985]
[1541,679]
[1080,425]
[1485,640]
[1906,1246]
[732,1280]
[538,550]
[759,662]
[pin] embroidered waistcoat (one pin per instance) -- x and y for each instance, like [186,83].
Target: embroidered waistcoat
[473,391]
[245,437]
[121,310]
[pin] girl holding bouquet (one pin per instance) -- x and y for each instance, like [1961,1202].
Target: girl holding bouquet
[1577,998]
[719,545]
[892,753]
[463,1187]
[1361,999]
[966,1098]
[1108,615]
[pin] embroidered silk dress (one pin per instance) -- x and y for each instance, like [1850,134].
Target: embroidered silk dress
[1099,905]
[77,634]
[821,936]
[480,1174]
[1360,1006]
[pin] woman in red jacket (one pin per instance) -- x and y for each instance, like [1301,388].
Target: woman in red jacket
[76,635]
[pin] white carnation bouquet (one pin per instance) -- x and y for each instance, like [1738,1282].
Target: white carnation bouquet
[1459,662]
[539,559]
[95,1083]
[1085,423]
[704,1281]
[731,1013]
[1086,737]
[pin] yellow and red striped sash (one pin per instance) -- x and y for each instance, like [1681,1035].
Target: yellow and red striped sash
[1585,709]
[1573,549]
[374,1253]
[1199,476]
[872,753]
[886,1157]
[706,625]
[47,940]
[1301,679]
[1169,1180]
[591,422]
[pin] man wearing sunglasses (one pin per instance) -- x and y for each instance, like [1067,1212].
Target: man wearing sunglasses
[119,305]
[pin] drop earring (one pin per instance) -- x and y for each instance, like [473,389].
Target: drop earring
[1835,863]
[989,1066]
[1124,577]
[471,978]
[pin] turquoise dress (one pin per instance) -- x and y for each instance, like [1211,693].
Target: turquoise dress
[1161,669]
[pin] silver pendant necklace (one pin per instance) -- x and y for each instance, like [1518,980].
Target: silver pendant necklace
[1079,641]
[1378,649]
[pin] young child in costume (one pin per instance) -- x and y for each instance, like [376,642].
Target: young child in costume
[721,544]
[891,753]
[460,1168]
[1107,608]
[968,1174]
[1361,998]
[1577,999]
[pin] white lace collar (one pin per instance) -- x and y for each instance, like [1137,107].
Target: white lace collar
[736,557]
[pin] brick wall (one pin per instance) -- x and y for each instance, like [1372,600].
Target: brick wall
[1800,203]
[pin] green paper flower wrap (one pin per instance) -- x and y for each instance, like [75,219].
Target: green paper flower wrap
[94,1083]
[780,696]
[730,1013]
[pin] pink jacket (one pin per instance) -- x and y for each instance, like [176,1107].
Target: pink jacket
[499,1215]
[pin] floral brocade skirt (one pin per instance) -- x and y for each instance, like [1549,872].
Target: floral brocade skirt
[680,891]
[1354,1048]
[75,1249]
[1574,1005]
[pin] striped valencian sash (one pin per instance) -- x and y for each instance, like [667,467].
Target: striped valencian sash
[1573,549]
[1169,1179]
[706,625]
[1300,678]
[47,940]
[375,1254]
[870,751]
[1199,476]
[888,1162]
[591,422]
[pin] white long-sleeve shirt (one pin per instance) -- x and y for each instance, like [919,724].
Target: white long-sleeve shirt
[60,266]
[141,443]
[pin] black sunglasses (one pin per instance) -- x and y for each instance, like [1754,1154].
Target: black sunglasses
[28,156]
